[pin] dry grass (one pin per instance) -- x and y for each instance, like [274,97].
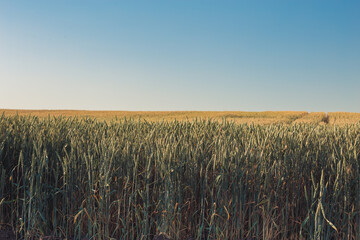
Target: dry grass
[268,117]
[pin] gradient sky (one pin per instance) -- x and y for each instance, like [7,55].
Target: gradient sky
[180,55]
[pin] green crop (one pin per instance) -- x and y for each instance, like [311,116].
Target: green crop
[130,179]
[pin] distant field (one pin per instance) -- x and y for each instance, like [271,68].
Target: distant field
[268,117]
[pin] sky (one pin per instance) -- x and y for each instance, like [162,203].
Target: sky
[218,55]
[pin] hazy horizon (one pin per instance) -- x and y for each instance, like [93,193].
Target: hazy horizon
[180,55]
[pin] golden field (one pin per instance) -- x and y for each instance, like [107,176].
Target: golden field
[267,117]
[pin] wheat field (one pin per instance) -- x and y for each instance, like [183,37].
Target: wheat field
[81,178]
[267,117]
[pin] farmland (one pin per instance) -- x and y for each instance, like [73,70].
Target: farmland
[268,117]
[191,175]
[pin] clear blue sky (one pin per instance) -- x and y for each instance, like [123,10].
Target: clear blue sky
[180,55]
